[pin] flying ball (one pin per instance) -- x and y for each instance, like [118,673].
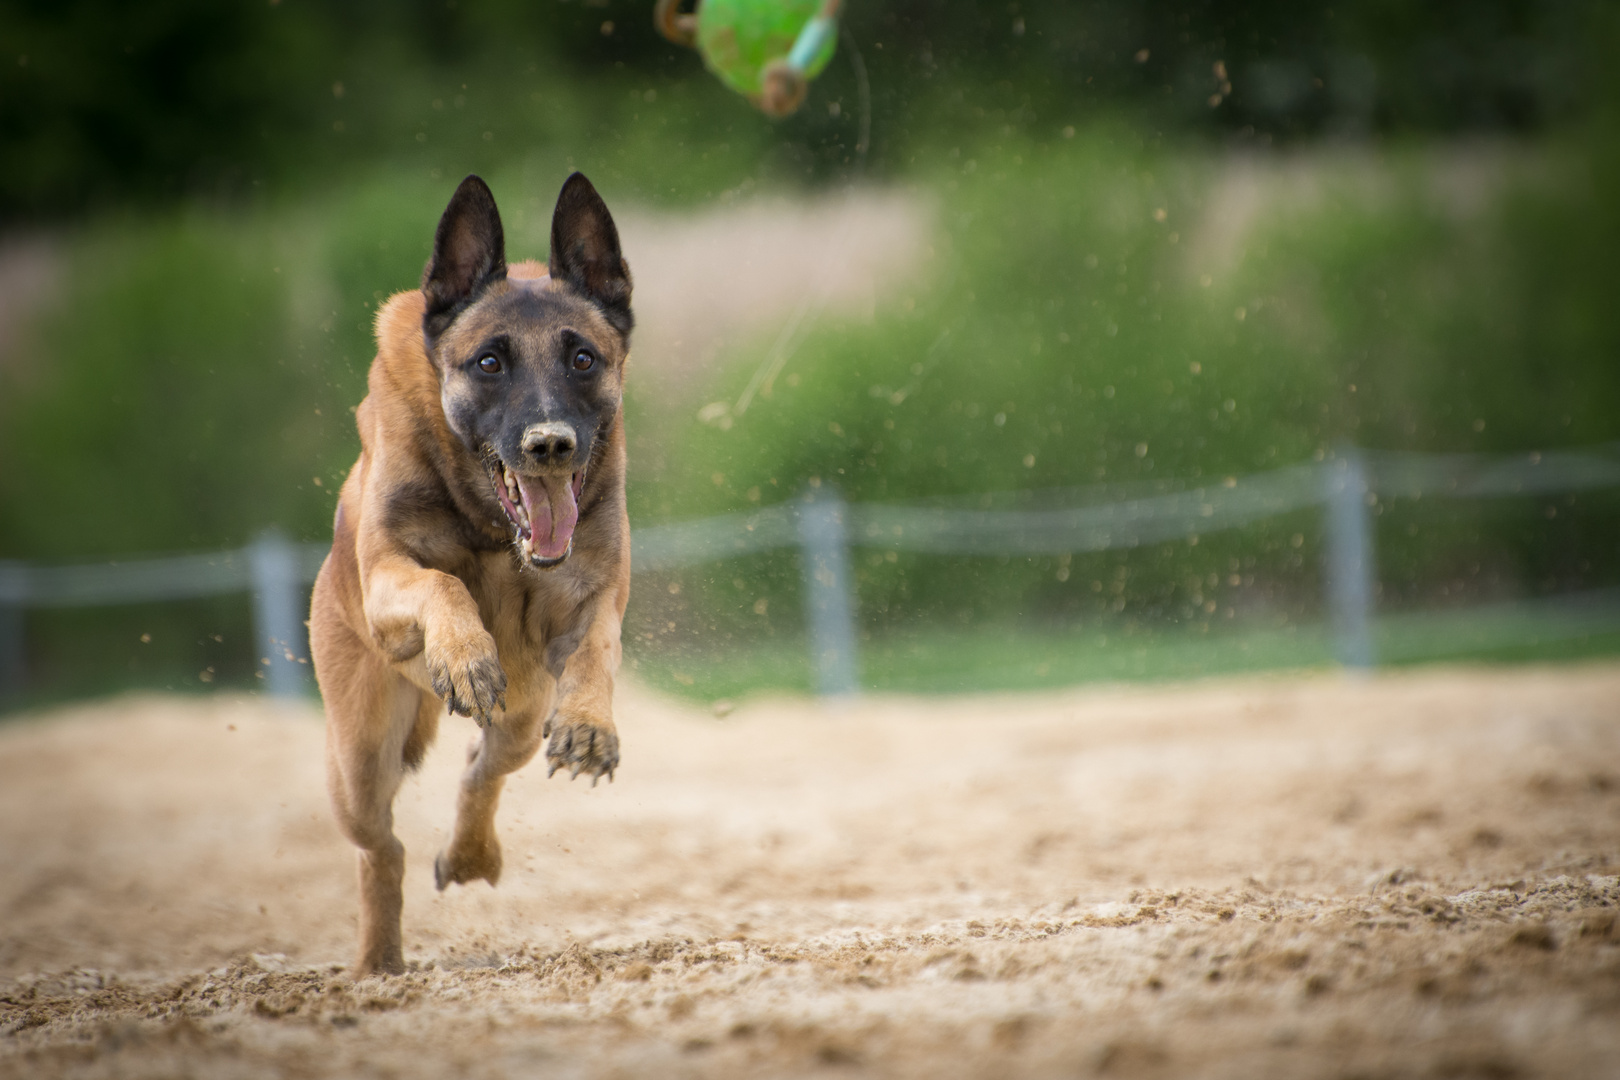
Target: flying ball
[766,50]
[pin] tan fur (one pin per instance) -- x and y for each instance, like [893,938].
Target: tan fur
[403,596]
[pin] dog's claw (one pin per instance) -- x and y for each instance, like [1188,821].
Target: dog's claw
[441,872]
[466,672]
[581,746]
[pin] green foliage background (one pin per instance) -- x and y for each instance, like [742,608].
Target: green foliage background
[236,187]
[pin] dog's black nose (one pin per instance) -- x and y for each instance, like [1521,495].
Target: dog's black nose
[550,443]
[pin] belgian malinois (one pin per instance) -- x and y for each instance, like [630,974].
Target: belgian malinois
[481,549]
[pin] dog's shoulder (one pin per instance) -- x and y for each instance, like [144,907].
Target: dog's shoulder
[402,362]
[402,420]
[416,465]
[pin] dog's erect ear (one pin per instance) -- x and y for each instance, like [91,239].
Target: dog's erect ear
[469,254]
[585,250]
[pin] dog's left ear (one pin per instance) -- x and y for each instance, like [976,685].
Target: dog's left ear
[469,255]
[585,251]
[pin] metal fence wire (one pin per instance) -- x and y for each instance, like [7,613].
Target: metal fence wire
[1345,486]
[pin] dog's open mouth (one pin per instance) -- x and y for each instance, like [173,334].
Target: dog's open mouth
[543,510]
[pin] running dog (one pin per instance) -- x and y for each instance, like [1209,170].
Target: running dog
[481,549]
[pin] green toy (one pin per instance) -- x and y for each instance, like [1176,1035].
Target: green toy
[766,50]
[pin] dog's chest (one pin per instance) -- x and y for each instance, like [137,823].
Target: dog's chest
[524,612]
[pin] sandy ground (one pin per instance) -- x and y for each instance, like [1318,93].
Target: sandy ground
[1413,875]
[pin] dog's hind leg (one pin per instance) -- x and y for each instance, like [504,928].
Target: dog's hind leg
[370,725]
[474,851]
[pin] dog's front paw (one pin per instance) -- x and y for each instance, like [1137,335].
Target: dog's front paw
[466,673]
[581,745]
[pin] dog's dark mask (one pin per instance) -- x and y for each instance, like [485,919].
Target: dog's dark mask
[531,370]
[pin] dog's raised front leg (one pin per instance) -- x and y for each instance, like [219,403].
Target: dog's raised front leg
[426,622]
[583,738]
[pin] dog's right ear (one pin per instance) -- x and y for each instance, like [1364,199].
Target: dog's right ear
[469,255]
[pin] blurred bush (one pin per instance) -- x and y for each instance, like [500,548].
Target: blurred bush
[1107,317]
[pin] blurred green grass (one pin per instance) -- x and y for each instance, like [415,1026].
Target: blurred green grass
[1016,656]
[978,658]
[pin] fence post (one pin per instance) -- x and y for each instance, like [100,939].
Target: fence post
[829,593]
[1351,566]
[278,624]
[13,647]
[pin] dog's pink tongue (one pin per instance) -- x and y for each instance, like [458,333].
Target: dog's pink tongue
[553,508]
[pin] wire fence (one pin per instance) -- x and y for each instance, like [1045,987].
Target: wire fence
[1346,487]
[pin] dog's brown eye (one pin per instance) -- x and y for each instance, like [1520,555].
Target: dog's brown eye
[583,360]
[489,365]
